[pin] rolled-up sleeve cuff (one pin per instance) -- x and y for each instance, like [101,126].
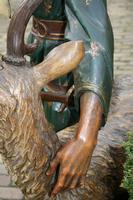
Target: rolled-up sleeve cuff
[90,87]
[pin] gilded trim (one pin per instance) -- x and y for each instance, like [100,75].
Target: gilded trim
[47,5]
[57,34]
[54,38]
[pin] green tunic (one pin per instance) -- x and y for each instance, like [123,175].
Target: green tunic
[87,20]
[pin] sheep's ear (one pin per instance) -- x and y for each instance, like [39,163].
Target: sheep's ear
[59,61]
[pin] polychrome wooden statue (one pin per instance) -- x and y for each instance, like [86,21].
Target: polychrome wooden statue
[35,103]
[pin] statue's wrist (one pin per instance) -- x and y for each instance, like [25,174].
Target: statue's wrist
[88,142]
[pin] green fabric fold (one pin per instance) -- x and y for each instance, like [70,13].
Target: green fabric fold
[87,21]
[91,24]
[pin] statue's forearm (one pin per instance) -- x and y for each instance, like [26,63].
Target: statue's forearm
[90,118]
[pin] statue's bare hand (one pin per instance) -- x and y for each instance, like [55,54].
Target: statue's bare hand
[73,160]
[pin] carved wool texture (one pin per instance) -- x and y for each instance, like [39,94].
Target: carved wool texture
[23,149]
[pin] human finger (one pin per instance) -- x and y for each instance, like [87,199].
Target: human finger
[82,181]
[68,181]
[60,183]
[76,182]
[53,166]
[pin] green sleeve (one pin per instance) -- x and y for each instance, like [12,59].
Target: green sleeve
[89,21]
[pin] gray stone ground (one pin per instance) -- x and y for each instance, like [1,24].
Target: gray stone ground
[121,14]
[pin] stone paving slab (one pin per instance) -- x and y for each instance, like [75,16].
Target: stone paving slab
[121,13]
[8,190]
[3,170]
[10,193]
[5,181]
